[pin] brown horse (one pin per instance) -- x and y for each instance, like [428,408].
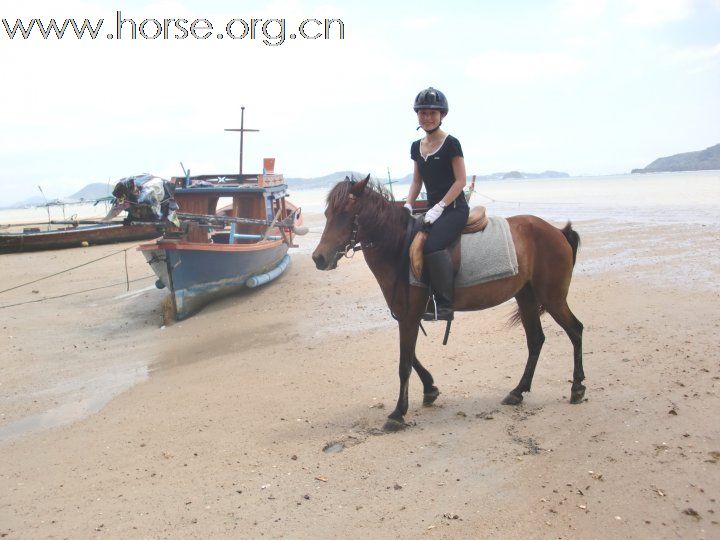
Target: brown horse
[358,212]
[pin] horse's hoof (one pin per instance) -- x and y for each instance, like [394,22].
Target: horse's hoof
[577,395]
[430,397]
[392,425]
[512,399]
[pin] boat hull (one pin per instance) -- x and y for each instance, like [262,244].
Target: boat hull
[76,237]
[196,275]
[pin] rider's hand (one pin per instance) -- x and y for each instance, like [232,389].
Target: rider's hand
[434,213]
[408,206]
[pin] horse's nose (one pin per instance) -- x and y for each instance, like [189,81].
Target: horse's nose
[320,262]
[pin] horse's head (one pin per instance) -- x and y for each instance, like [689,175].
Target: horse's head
[344,203]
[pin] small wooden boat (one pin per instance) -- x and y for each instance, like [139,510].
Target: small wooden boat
[77,234]
[205,260]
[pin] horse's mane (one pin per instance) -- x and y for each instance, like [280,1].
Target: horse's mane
[378,215]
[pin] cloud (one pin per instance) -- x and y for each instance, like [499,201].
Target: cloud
[421,23]
[656,12]
[699,59]
[582,9]
[510,67]
[698,53]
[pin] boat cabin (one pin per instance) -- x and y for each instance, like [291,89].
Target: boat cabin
[247,197]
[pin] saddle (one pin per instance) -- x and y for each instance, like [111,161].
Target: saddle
[477,221]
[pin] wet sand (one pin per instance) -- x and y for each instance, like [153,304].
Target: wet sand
[260,416]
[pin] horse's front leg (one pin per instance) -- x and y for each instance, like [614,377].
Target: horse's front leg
[408,338]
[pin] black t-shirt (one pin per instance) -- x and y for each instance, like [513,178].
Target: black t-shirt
[436,169]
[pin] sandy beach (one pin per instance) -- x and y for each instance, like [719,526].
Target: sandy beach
[261,415]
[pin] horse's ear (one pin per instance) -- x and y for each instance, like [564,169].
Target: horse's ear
[358,187]
[347,178]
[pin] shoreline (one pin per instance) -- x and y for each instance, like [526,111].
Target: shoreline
[618,257]
[223,401]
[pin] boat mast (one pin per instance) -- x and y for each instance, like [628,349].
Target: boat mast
[47,206]
[242,131]
[390,182]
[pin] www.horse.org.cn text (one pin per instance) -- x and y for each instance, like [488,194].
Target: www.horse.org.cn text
[271,32]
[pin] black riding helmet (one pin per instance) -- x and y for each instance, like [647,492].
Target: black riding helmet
[431,98]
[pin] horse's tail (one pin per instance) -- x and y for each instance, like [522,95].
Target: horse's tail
[573,239]
[516,318]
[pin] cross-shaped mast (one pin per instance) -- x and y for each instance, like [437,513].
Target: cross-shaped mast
[390,182]
[242,131]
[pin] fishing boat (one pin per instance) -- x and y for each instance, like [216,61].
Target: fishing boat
[74,233]
[216,254]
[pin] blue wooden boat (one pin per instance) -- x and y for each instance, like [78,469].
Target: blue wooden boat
[216,254]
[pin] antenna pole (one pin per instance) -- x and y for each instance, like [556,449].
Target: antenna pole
[242,131]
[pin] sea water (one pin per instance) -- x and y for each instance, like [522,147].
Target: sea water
[42,215]
[687,197]
[634,224]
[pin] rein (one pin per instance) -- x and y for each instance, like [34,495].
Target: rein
[404,263]
[404,268]
[354,245]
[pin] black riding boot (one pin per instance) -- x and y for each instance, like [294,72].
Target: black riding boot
[442,283]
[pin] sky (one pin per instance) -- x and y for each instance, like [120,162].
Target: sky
[585,87]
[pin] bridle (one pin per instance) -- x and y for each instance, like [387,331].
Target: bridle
[353,244]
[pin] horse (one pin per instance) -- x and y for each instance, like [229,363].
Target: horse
[362,212]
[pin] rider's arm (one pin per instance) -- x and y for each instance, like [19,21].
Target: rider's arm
[416,185]
[458,167]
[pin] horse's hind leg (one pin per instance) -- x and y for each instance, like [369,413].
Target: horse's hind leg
[574,329]
[530,316]
[430,391]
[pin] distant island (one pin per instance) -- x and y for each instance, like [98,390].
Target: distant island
[702,160]
[94,191]
[330,179]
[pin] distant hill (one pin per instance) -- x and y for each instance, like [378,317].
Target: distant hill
[332,178]
[520,174]
[97,190]
[322,181]
[32,201]
[702,160]
[92,192]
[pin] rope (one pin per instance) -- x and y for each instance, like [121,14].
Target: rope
[63,271]
[519,203]
[76,292]
[127,275]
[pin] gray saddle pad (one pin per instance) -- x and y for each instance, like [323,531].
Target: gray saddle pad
[485,256]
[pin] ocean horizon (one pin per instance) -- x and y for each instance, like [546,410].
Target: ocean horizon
[686,197]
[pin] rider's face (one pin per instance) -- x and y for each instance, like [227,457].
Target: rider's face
[429,118]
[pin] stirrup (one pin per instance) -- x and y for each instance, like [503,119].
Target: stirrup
[437,313]
[430,313]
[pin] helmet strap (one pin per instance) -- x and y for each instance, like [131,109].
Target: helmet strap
[429,131]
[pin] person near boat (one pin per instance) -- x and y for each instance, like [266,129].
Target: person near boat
[440,166]
[145,198]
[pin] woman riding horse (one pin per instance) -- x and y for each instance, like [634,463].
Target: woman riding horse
[440,165]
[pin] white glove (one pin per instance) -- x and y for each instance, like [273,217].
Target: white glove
[434,213]
[409,207]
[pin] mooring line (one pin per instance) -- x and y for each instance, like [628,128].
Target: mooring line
[66,270]
[77,292]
